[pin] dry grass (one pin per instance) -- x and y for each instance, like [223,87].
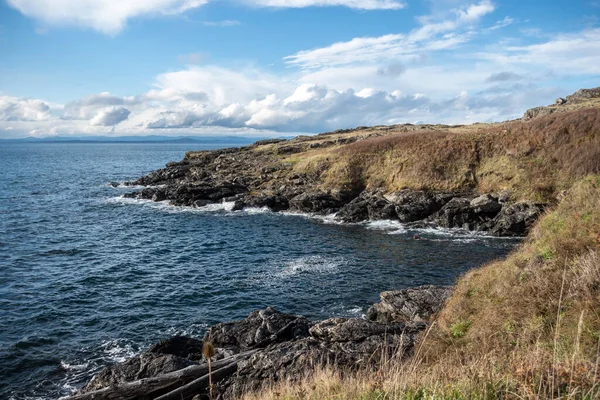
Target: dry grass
[527,327]
[536,159]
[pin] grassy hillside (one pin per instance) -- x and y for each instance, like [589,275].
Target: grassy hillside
[527,326]
[524,327]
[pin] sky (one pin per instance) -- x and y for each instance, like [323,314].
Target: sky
[273,67]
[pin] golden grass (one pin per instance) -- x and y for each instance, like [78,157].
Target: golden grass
[527,327]
[536,160]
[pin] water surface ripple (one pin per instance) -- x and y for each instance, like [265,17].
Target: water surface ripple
[88,278]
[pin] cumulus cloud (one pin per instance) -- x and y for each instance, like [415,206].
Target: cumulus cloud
[110,116]
[21,109]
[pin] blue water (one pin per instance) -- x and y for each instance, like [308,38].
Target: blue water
[88,278]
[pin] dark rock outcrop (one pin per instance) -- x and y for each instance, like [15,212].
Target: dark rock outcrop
[414,304]
[269,345]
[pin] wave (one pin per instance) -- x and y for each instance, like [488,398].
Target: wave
[310,265]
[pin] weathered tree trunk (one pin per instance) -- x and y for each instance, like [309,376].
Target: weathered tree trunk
[148,387]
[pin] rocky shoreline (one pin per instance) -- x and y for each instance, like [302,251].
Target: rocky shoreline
[250,178]
[269,346]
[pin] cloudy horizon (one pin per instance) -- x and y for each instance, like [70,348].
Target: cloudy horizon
[267,67]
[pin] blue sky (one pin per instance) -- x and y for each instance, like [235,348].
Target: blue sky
[262,67]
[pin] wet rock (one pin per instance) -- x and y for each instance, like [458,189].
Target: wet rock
[367,206]
[414,304]
[274,203]
[202,203]
[415,205]
[145,365]
[316,202]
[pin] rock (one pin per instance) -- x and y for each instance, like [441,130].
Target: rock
[414,304]
[260,326]
[202,203]
[485,204]
[145,365]
[457,213]
[274,203]
[415,205]
[356,329]
[159,195]
[560,101]
[315,202]
[292,360]
[583,95]
[180,346]
[367,206]
[538,112]
[516,219]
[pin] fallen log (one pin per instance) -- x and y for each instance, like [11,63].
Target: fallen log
[144,388]
[187,391]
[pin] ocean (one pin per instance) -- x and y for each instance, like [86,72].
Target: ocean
[88,278]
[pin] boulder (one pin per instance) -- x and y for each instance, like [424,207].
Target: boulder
[414,304]
[415,205]
[262,326]
[516,219]
[367,206]
[486,204]
[357,329]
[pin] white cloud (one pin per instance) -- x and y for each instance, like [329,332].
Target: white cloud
[573,53]
[431,36]
[110,116]
[223,23]
[357,4]
[20,109]
[110,16]
[107,16]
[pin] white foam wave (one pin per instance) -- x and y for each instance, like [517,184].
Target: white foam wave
[73,367]
[311,265]
[385,225]
[117,350]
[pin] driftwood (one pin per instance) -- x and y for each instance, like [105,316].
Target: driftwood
[146,387]
[192,388]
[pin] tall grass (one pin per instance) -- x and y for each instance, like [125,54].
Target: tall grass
[527,327]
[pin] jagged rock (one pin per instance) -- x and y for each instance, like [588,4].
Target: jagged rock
[414,304]
[457,213]
[202,203]
[538,112]
[516,219]
[257,329]
[316,202]
[144,365]
[583,95]
[485,204]
[411,205]
[367,206]
[560,101]
[275,203]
